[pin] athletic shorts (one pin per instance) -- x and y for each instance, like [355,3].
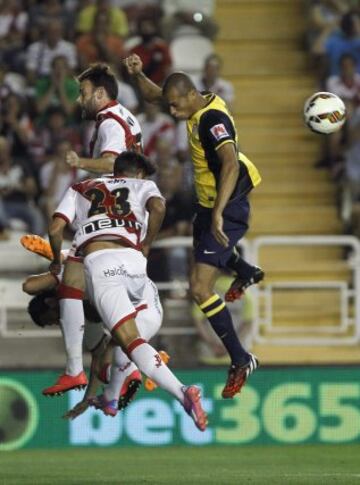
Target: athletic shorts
[206,249]
[115,281]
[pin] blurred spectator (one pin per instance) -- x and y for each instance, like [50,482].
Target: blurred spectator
[16,125]
[41,13]
[153,50]
[13,23]
[210,80]
[325,17]
[156,125]
[40,54]
[347,41]
[17,192]
[172,264]
[211,351]
[59,88]
[56,177]
[126,94]
[118,21]
[48,135]
[100,44]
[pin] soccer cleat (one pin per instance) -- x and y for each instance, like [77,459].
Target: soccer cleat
[192,405]
[130,387]
[38,245]
[239,285]
[66,383]
[109,408]
[237,376]
[150,385]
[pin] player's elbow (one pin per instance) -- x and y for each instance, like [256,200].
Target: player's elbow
[156,206]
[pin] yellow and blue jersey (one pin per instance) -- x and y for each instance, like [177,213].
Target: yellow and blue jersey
[208,130]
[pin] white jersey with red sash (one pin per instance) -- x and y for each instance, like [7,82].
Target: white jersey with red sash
[108,208]
[116,130]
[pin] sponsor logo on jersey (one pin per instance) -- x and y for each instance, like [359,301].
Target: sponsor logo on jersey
[107,223]
[219,131]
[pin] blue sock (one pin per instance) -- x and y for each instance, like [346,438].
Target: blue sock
[220,319]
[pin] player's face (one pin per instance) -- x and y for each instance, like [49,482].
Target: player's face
[180,106]
[88,100]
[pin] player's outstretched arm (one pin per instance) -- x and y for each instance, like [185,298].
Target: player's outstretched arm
[156,208]
[150,91]
[104,164]
[35,284]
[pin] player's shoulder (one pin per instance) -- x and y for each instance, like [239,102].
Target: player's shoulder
[87,184]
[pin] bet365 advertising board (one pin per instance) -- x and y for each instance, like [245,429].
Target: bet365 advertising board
[284,406]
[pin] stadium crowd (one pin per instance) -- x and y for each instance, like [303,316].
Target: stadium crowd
[334,43]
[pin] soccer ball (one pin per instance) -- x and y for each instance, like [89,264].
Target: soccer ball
[324,113]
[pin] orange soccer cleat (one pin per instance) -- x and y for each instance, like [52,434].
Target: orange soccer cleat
[66,383]
[129,389]
[237,376]
[37,244]
[149,383]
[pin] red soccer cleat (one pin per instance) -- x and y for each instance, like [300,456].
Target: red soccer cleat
[66,383]
[239,285]
[237,377]
[130,387]
[192,405]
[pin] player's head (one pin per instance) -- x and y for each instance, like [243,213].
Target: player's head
[98,86]
[181,95]
[44,309]
[132,164]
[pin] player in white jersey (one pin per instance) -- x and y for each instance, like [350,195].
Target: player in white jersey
[122,384]
[109,227]
[116,130]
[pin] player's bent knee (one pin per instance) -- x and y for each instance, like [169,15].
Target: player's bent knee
[125,332]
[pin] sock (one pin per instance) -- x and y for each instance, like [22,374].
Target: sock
[149,362]
[72,325]
[122,367]
[240,266]
[220,319]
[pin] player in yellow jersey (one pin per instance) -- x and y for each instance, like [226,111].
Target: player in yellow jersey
[223,178]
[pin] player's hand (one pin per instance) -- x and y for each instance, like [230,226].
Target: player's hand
[217,230]
[133,64]
[55,267]
[77,410]
[72,159]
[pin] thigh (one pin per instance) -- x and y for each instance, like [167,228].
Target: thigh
[74,274]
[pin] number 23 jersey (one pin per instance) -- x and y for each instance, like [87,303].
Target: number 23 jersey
[108,208]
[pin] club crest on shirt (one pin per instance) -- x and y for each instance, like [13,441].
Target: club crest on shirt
[219,131]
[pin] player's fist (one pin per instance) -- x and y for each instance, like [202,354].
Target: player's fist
[72,159]
[133,64]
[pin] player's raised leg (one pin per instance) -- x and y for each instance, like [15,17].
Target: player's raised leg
[202,280]
[72,321]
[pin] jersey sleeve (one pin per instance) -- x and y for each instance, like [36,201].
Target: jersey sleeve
[111,137]
[67,207]
[215,129]
[149,189]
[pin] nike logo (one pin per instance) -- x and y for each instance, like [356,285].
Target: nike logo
[209,252]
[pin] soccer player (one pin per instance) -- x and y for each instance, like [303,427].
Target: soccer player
[117,218]
[116,130]
[125,379]
[223,179]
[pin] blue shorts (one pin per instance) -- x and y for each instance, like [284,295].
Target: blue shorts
[206,249]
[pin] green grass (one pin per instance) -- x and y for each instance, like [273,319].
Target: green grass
[270,465]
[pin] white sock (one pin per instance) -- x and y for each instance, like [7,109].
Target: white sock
[72,323]
[149,362]
[122,367]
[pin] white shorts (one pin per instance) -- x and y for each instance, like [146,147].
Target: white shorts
[115,281]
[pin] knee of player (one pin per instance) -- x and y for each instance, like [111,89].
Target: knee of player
[199,292]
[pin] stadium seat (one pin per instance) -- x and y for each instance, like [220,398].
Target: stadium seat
[189,53]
